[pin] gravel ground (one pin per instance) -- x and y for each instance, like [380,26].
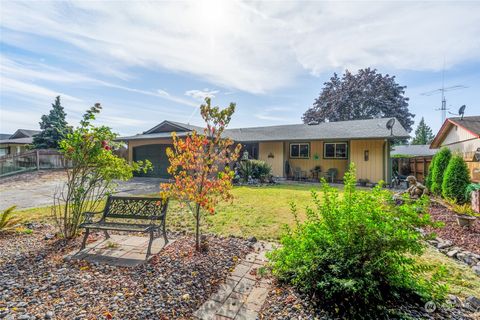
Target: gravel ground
[466,238]
[36,283]
[285,303]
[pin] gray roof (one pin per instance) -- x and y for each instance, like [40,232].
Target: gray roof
[354,129]
[471,123]
[4,136]
[413,150]
[21,136]
[27,140]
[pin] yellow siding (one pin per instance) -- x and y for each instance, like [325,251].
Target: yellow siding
[276,149]
[135,143]
[316,148]
[373,169]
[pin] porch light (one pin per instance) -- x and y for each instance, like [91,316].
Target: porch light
[365,155]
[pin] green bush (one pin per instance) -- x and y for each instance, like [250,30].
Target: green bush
[355,254]
[456,180]
[441,162]
[255,169]
[429,177]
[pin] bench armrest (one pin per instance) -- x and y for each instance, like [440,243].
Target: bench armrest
[89,215]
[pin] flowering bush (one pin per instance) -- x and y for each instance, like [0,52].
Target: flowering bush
[90,173]
[200,163]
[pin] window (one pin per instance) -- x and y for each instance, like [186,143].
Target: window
[337,150]
[299,150]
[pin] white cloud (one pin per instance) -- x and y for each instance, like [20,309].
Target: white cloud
[254,47]
[201,94]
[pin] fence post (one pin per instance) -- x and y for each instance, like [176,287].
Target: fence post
[37,153]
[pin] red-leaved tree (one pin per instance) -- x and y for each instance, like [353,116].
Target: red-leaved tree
[200,165]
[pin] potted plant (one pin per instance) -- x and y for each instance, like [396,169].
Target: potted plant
[473,191]
[465,214]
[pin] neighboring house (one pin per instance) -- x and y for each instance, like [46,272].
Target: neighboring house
[290,147]
[461,135]
[17,142]
[412,160]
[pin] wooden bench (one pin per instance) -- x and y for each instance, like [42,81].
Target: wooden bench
[125,213]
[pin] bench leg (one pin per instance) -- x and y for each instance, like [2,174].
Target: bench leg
[149,251]
[84,242]
[107,236]
[164,234]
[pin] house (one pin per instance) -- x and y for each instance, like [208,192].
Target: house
[462,136]
[290,147]
[412,160]
[17,142]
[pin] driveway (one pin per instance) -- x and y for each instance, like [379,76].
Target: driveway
[36,189]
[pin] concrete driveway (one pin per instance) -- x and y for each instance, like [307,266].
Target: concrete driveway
[36,189]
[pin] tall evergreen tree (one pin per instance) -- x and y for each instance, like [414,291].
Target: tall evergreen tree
[365,95]
[423,133]
[54,128]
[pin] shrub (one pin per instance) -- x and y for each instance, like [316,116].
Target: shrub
[94,166]
[355,253]
[255,169]
[7,221]
[429,177]
[456,180]
[441,162]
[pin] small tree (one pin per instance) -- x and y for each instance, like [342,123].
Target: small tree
[93,168]
[429,178]
[54,128]
[199,165]
[456,180]
[423,133]
[441,162]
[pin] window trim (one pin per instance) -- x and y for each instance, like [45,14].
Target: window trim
[335,150]
[298,144]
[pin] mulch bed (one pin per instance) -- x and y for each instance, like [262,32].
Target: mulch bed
[35,281]
[466,238]
[284,302]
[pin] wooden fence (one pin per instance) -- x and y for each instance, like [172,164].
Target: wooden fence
[418,167]
[30,161]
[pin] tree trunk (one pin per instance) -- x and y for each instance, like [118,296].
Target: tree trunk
[197,228]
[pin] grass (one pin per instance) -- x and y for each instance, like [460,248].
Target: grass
[263,211]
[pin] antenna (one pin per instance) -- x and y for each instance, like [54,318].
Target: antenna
[442,90]
[390,124]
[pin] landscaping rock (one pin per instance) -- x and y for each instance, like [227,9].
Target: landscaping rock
[476,269]
[443,244]
[252,239]
[473,303]
[172,285]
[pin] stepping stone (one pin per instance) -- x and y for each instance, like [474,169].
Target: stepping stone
[232,305]
[208,310]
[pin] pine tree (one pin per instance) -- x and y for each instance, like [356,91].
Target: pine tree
[54,128]
[456,180]
[423,133]
[365,95]
[442,158]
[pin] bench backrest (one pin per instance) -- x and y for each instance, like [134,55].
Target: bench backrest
[145,208]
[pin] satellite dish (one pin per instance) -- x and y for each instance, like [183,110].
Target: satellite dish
[390,124]
[461,111]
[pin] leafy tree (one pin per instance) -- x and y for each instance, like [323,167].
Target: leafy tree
[438,169]
[365,95]
[54,128]
[423,133]
[94,166]
[199,165]
[456,180]
[355,254]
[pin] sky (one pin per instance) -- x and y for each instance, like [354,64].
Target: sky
[146,62]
